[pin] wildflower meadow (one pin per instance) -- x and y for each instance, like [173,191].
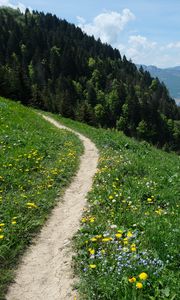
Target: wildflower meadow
[127,246]
[128,243]
[37,162]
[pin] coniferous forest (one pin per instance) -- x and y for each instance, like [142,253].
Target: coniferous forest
[50,64]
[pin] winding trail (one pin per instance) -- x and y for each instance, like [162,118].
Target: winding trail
[46,272]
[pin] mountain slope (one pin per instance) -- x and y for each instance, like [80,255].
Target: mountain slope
[170,76]
[127,247]
[128,242]
[37,161]
[51,64]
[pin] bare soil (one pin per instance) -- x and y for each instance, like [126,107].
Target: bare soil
[45,272]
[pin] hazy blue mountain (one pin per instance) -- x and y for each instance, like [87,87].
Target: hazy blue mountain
[170,76]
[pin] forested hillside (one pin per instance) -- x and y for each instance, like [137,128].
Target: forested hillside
[48,63]
[170,76]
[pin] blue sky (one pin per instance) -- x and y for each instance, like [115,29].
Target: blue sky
[147,31]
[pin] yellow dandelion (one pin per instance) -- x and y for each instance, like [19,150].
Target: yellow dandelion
[143,276]
[118,235]
[92,266]
[125,240]
[83,220]
[31,205]
[2,224]
[91,251]
[129,234]
[149,200]
[132,279]
[93,239]
[159,211]
[98,236]
[13,222]
[107,239]
[1,236]
[92,219]
[139,285]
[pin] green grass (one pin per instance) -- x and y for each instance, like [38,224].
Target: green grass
[37,161]
[131,223]
[130,226]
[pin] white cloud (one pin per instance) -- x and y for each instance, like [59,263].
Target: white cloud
[173,45]
[19,5]
[139,41]
[121,47]
[107,25]
[3,2]
[111,27]
[139,48]
[80,20]
[144,51]
[132,53]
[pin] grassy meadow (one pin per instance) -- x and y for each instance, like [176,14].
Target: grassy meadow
[128,243]
[37,161]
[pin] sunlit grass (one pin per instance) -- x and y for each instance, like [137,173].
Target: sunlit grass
[130,226]
[37,162]
[128,243]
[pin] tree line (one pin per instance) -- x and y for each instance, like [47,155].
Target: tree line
[48,63]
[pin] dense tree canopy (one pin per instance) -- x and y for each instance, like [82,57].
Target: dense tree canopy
[51,64]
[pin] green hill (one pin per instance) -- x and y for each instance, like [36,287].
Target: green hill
[35,166]
[170,76]
[127,246]
[48,63]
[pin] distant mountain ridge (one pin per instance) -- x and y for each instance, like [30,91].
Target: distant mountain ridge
[170,76]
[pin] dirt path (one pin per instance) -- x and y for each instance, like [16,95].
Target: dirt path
[45,272]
